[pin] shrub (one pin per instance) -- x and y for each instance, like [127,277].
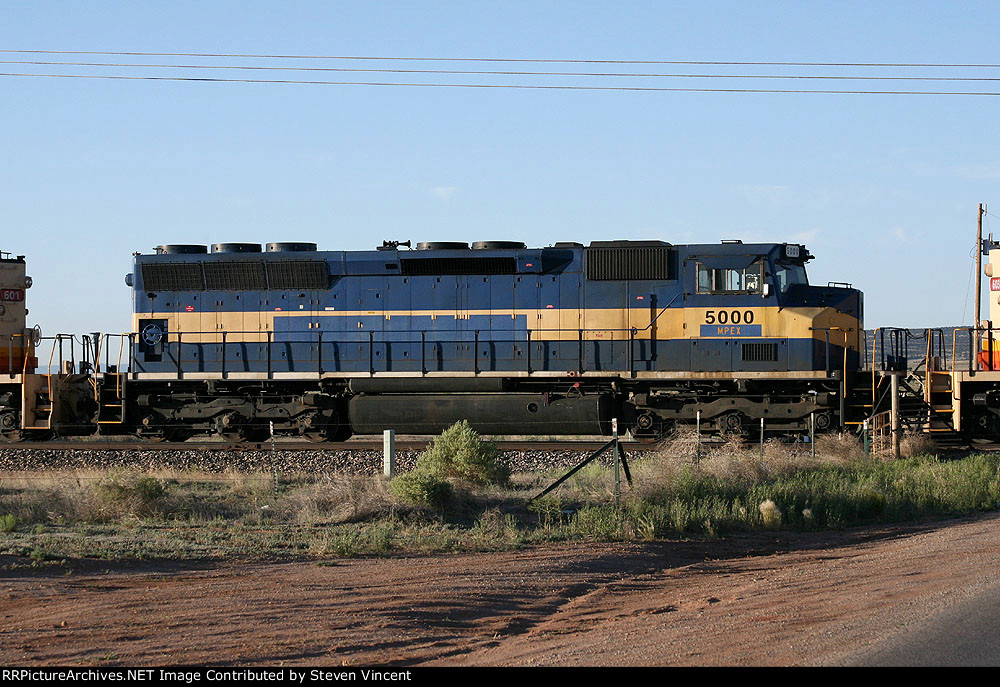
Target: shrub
[140,496]
[771,514]
[460,453]
[494,527]
[421,487]
[8,523]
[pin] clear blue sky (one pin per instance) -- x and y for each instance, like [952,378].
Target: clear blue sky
[883,189]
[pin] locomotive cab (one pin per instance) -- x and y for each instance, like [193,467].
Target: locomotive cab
[753,309]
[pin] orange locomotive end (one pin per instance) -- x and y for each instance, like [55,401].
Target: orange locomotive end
[17,352]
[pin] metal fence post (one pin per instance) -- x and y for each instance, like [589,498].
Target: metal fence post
[618,477]
[894,414]
[274,463]
[762,440]
[697,430]
[812,434]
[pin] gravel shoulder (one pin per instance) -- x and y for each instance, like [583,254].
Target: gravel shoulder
[776,599]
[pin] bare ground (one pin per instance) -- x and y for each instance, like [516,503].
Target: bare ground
[780,599]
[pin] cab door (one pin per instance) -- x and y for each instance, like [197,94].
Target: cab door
[724,311]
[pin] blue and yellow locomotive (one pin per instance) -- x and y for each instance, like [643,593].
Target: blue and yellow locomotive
[557,340]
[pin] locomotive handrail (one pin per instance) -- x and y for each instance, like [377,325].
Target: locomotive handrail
[10,356]
[843,374]
[989,348]
[24,355]
[662,310]
[57,340]
[864,340]
[974,363]
[523,340]
[954,348]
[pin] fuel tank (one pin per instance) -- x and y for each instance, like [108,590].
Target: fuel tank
[519,413]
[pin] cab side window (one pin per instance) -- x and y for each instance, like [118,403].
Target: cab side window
[730,280]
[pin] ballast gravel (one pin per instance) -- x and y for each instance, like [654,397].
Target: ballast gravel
[360,461]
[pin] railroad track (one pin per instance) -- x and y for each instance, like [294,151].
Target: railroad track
[285,445]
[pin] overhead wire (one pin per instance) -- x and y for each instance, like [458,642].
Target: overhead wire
[520,74]
[839,77]
[503,59]
[550,87]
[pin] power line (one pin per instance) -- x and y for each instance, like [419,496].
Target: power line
[497,73]
[500,59]
[552,87]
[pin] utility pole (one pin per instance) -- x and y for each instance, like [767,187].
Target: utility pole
[979,278]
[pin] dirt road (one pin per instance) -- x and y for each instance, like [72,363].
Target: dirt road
[783,599]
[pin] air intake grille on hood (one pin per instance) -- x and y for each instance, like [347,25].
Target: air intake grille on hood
[629,263]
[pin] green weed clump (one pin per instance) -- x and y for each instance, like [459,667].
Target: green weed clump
[8,523]
[459,455]
[494,529]
[421,487]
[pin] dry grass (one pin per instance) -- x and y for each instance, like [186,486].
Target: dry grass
[51,496]
[101,496]
[738,462]
[840,449]
[771,514]
[916,444]
[341,498]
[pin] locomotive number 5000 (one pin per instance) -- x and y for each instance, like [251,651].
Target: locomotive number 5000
[729,317]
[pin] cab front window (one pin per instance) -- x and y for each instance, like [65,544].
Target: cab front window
[788,273]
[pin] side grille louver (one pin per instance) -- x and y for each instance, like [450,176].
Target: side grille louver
[760,352]
[231,276]
[298,274]
[236,275]
[629,263]
[173,276]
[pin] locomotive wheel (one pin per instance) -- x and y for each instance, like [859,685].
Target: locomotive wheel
[10,437]
[823,422]
[255,433]
[175,435]
[733,423]
[334,432]
[984,423]
[648,429]
[230,427]
[319,427]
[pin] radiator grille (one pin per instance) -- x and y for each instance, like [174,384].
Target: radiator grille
[760,352]
[628,263]
[242,275]
[172,276]
[235,276]
[298,274]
